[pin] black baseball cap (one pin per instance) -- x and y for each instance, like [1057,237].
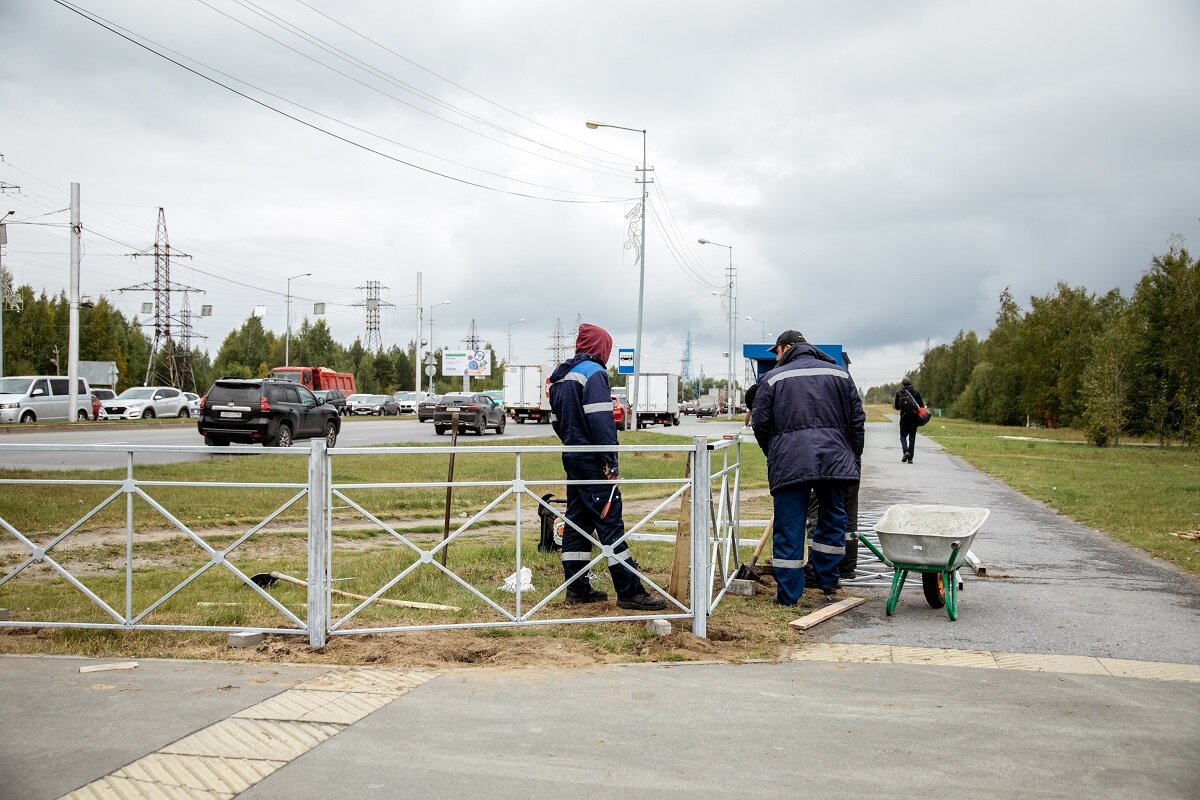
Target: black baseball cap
[788,337]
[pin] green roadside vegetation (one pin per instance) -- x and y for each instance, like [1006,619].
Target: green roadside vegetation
[1140,493]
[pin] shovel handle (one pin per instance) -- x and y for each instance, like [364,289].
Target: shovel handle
[762,542]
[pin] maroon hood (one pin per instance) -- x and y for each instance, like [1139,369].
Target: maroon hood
[594,340]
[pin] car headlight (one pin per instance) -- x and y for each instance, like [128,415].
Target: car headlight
[10,405]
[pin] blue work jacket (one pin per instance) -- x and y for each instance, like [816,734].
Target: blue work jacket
[581,411]
[808,420]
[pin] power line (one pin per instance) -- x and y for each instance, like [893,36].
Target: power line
[103,23]
[461,87]
[337,52]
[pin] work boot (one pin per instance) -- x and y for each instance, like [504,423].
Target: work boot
[641,602]
[589,595]
[830,594]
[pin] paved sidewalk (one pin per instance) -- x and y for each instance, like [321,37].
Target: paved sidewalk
[1053,586]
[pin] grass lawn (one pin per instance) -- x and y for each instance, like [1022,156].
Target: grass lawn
[1139,494]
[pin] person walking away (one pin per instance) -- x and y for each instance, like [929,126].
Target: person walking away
[751,393]
[581,412]
[908,401]
[809,422]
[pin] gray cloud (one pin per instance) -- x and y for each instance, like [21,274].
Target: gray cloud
[882,170]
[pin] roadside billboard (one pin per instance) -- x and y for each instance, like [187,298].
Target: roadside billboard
[472,363]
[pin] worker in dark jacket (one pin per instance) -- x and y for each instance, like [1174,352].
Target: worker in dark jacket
[809,421]
[581,409]
[907,401]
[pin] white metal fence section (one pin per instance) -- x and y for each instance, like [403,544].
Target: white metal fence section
[714,528]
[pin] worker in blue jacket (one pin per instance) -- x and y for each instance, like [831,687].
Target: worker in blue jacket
[809,422]
[581,411]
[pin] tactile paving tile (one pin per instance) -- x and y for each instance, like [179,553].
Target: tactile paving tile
[223,776]
[940,656]
[1038,662]
[302,705]
[275,740]
[386,681]
[851,653]
[1151,670]
[113,788]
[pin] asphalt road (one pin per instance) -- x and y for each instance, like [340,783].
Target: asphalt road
[356,432]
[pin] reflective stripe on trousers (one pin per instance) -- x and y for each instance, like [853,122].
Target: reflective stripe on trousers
[829,537]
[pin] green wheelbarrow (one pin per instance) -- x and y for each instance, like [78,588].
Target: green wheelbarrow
[930,539]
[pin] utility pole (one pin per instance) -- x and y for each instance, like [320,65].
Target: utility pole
[417,341]
[162,367]
[73,313]
[5,281]
[372,303]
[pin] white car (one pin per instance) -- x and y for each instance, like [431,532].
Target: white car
[193,403]
[408,401]
[147,402]
[353,401]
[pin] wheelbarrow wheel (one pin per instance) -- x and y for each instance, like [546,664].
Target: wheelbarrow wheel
[934,584]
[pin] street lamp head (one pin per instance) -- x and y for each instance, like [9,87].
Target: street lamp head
[704,241]
[592,125]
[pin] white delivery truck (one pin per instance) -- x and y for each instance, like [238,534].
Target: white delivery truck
[526,395]
[657,399]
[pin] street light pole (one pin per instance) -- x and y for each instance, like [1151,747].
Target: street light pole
[287,339]
[3,299]
[432,348]
[731,392]
[510,355]
[637,352]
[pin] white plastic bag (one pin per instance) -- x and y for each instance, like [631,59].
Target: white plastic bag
[510,583]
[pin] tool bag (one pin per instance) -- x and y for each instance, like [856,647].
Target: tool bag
[551,526]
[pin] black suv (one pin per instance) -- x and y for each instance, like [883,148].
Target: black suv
[275,413]
[475,412]
[334,397]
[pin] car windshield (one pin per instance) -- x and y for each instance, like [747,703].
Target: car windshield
[137,393]
[357,398]
[404,396]
[379,398]
[458,398]
[14,385]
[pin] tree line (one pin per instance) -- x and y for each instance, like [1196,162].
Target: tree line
[35,343]
[1103,363]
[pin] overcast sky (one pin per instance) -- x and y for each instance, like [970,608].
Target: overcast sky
[882,169]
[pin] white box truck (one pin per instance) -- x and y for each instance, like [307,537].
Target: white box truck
[657,399]
[526,395]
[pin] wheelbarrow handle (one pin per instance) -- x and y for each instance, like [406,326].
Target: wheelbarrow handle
[873,549]
[953,555]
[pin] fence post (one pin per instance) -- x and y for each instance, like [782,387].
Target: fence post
[318,542]
[701,494]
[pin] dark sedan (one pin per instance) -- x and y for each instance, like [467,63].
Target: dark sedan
[706,410]
[426,407]
[475,412]
[378,405]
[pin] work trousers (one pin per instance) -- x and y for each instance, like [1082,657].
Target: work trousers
[585,505]
[828,539]
[908,434]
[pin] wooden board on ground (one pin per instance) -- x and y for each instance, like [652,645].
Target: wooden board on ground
[109,667]
[822,614]
[677,587]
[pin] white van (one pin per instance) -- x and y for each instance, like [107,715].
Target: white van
[30,398]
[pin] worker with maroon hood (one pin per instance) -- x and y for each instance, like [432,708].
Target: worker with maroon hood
[582,414]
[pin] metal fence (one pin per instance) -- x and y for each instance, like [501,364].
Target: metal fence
[710,488]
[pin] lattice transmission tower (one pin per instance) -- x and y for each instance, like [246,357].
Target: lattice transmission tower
[168,363]
[373,341]
[559,345]
[473,340]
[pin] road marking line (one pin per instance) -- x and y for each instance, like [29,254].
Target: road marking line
[1026,662]
[228,757]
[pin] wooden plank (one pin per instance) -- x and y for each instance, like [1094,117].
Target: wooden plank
[677,587]
[109,667]
[279,576]
[822,614]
